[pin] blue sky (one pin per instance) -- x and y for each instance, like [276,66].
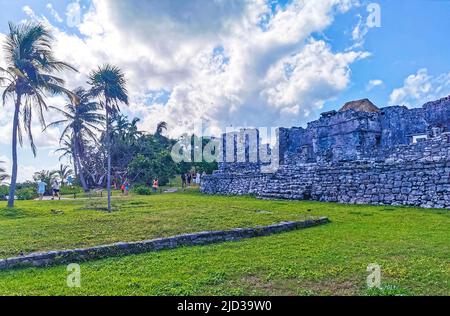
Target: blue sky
[187,60]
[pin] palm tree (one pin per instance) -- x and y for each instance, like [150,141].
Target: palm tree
[81,121]
[3,175]
[109,85]
[120,127]
[162,126]
[124,130]
[66,150]
[133,133]
[64,172]
[30,64]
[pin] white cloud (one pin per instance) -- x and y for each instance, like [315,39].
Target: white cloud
[73,14]
[228,62]
[54,13]
[359,33]
[28,11]
[420,88]
[26,171]
[222,61]
[300,83]
[373,84]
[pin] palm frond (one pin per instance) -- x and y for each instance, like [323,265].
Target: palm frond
[30,73]
[109,83]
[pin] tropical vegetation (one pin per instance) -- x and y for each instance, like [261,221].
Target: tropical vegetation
[109,85]
[103,146]
[3,174]
[29,77]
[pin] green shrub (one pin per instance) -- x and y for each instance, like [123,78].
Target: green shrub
[142,190]
[26,193]
[66,190]
[4,191]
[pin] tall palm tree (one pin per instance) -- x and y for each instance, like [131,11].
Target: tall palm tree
[109,85]
[133,133]
[30,65]
[81,121]
[3,175]
[64,172]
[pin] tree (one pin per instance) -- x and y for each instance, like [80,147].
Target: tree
[66,151]
[109,85]
[28,76]
[81,121]
[64,172]
[3,175]
[162,126]
[45,176]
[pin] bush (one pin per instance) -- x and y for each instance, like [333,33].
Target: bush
[66,190]
[4,191]
[142,190]
[26,193]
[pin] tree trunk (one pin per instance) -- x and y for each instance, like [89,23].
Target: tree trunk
[75,167]
[108,149]
[79,167]
[12,187]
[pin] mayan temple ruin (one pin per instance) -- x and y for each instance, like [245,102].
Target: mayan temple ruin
[360,154]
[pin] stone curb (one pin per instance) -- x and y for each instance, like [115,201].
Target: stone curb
[126,248]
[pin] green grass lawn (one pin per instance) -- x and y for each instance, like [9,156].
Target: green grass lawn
[411,246]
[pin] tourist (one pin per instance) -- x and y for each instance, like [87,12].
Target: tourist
[122,188]
[69,181]
[41,189]
[197,178]
[127,188]
[155,185]
[55,188]
[183,180]
[189,179]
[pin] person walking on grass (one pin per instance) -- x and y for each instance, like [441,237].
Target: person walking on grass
[127,188]
[189,179]
[155,185]
[56,187]
[41,189]
[183,180]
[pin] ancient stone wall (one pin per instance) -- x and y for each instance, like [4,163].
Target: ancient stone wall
[127,248]
[414,175]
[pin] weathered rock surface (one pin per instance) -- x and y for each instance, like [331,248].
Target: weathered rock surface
[360,157]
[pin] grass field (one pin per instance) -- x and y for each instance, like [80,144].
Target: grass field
[411,246]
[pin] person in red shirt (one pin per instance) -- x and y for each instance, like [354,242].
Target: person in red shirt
[155,185]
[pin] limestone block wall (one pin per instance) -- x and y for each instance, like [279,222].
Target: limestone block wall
[127,248]
[413,175]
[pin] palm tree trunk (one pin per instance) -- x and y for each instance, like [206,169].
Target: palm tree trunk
[79,167]
[75,167]
[108,148]
[12,187]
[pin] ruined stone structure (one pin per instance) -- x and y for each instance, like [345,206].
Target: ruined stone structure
[360,154]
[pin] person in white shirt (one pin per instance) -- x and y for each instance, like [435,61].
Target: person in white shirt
[56,187]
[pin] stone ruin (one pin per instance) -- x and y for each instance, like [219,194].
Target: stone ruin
[360,154]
